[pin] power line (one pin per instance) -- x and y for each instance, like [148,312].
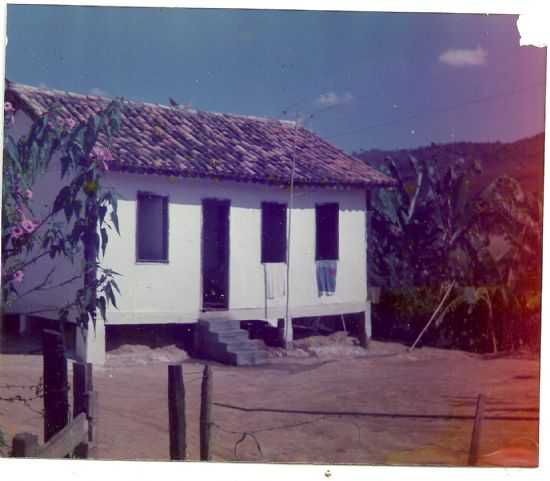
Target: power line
[307,99]
[439,110]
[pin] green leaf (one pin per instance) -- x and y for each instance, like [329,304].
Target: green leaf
[61,199]
[90,134]
[104,240]
[115,285]
[76,233]
[65,163]
[102,304]
[68,211]
[10,147]
[110,295]
[97,242]
[77,207]
[114,219]
[102,211]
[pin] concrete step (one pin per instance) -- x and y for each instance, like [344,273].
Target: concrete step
[220,325]
[227,336]
[247,358]
[247,345]
[224,341]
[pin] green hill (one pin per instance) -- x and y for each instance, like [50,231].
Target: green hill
[522,159]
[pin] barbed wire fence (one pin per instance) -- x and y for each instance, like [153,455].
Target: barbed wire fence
[485,410]
[36,392]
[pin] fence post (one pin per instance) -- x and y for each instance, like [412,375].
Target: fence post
[206,414]
[91,413]
[24,445]
[82,387]
[56,402]
[362,333]
[476,432]
[176,412]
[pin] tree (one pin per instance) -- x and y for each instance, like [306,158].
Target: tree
[431,231]
[77,224]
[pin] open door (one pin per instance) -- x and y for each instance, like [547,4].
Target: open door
[215,254]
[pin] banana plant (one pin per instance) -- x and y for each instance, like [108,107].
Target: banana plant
[424,230]
[430,230]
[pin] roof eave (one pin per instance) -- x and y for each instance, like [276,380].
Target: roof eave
[250,179]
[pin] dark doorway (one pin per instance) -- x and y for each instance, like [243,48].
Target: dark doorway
[215,254]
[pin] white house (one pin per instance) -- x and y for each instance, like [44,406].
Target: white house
[210,228]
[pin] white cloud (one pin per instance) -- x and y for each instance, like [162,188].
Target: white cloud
[331,99]
[99,92]
[464,57]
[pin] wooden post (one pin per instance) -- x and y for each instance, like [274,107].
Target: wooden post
[344,323]
[23,324]
[285,334]
[24,445]
[362,333]
[91,413]
[176,412]
[206,414]
[476,432]
[280,333]
[82,387]
[56,402]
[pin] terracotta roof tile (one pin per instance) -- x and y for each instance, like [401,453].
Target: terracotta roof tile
[178,141]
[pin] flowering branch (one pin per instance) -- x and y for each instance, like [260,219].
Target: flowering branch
[82,200]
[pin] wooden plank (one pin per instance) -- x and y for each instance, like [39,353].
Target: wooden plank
[56,401]
[24,445]
[66,440]
[176,412]
[476,432]
[206,415]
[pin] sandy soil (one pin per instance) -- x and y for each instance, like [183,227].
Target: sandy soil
[331,375]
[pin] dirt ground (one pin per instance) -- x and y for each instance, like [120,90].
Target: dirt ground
[330,375]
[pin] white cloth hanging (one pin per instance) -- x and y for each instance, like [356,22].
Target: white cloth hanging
[275,279]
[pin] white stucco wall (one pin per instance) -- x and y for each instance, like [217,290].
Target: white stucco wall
[171,292]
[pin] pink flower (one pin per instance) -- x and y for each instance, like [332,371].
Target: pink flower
[28,225]
[28,194]
[102,154]
[107,154]
[8,107]
[16,232]
[70,123]
[96,152]
[18,276]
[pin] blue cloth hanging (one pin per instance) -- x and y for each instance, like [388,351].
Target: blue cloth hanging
[326,277]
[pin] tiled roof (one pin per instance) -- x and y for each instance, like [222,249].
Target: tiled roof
[175,141]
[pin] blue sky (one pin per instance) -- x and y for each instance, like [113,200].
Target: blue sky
[362,80]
